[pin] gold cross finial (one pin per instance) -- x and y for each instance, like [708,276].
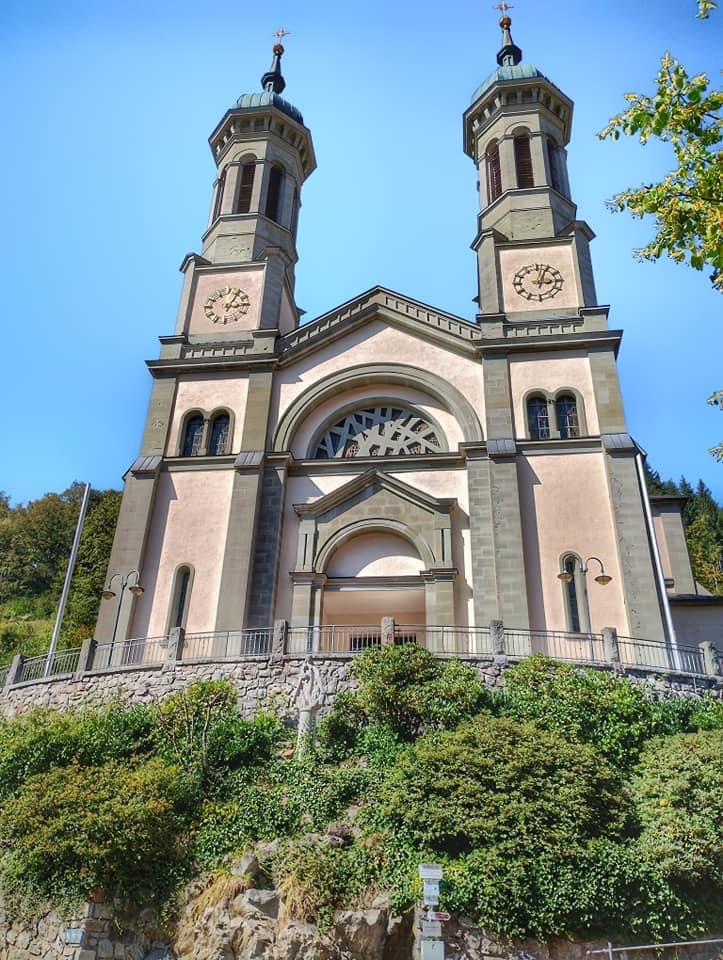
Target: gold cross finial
[503,7]
[280,34]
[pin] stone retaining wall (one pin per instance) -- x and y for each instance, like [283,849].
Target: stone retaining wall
[260,681]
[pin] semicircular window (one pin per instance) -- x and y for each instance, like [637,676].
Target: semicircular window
[383,431]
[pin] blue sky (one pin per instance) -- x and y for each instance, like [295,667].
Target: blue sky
[106,177]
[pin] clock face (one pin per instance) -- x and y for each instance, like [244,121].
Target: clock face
[226,305]
[538,281]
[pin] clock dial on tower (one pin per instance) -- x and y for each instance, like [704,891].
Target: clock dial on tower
[538,281]
[226,305]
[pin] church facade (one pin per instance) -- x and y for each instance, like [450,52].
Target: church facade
[389,462]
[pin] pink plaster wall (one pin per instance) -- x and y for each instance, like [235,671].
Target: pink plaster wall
[566,507]
[190,519]
[569,369]
[377,342]
[208,393]
[362,395]
[375,555]
[250,280]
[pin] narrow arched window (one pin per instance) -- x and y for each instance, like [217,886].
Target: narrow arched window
[218,443]
[193,436]
[245,187]
[576,609]
[523,162]
[273,194]
[220,187]
[494,176]
[553,159]
[568,422]
[180,598]
[538,419]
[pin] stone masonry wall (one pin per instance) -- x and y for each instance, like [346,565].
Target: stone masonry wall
[260,682]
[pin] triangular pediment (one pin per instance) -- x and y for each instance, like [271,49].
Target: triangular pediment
[368,482]
[392,308]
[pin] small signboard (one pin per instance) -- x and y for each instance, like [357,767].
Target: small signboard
[431,928]
[438,915]
[430,871]
[432,950]
[431,893]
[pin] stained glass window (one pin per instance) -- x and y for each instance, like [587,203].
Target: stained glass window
[382,431]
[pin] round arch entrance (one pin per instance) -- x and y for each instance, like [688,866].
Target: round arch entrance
[373,575]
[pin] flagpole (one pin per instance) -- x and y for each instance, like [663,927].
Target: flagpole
[66,585]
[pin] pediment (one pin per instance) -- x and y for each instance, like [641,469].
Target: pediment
[368,483]
[391,308]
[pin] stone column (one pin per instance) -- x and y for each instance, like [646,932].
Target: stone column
[15,671]
[711,658]
[482,574]
[497,637]
[610,645]
[278,643]
[85,658]
[439,596]
[387,630]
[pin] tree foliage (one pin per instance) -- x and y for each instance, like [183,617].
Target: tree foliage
[688,202]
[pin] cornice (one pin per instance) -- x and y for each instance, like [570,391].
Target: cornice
[549,342]
[173,367]
[353,465]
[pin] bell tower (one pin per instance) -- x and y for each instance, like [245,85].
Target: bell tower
[533,254]
[243,279]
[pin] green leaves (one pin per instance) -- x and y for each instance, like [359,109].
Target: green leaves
[688,203]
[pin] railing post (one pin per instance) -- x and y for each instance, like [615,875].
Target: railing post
[16,670]
[174,650]
[387,630]
[278,641]
[611,649]
[85,658]
[497,636]
[711,658]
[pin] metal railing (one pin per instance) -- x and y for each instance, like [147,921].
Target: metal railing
[332,639]
[228,643]
[63,663]
[558,644]
[680,658]
[137,652]
[447,641]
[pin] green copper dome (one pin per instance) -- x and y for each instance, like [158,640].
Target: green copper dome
[267,98]
[516,71]
[272,86]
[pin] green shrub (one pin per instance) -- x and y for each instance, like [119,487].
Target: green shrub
[596,707]
[201,729]
[46,738]
[288,798]
[315,879]
[74,829]
[408,690]
[678,792]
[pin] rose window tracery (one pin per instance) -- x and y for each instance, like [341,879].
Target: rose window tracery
[381,431]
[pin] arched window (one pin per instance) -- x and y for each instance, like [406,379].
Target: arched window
[538,418]
[576,609]
[382,431]
[273,194]
[193,436]
[494,176]
[554,161]
[180,598]
[245,187]
[523,162]
[568,422]
[219,441]
[220,187]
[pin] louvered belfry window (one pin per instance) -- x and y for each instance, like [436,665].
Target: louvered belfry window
[523,162]
[243,203]
[274,193]
[494,177]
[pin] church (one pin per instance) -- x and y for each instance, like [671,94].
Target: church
[391,472]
